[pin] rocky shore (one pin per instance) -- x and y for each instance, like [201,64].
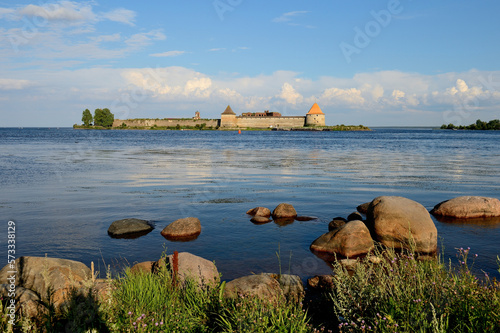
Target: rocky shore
[391,222]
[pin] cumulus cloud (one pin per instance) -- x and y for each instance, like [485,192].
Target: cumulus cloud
[335,96]
[289,94]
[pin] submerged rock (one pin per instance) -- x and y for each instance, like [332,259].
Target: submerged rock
[260,219]
[348,241]
[129,228]
[284,210]
[466,207]
[305,218]
[401,223]
[182,229]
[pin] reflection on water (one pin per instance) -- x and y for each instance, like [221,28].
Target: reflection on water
[65,187]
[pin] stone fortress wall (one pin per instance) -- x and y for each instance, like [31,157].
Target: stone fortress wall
[229,119]
[166,122]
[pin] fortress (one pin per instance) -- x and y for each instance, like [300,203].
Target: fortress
[229,119]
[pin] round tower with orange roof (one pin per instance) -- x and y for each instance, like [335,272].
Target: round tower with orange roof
[315,117]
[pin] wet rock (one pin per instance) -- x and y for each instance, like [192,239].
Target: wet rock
[259,211]
[129,228]
[284,221]
[363,208]
[467,207]
[350,240]
[182,229]
[401,223]
[261,286]
[260,219]
[28,303]
[45,276]
[284,210]
[336,223]
[355,216]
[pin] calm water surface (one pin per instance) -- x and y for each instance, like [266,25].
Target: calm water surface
[64,187]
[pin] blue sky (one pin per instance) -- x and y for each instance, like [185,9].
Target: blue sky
[393,63]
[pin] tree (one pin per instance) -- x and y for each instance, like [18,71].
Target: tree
[103,117]
[87,117]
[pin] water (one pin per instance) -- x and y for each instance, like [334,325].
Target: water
[64,187]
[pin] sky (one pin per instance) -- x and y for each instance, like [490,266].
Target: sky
[376,63]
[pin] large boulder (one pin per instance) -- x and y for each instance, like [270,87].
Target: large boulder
[186,228]
[201,271]
[291,285]
[468,207]
[283,211]
[401,223]
[51,279]
[129,228]
[259,211]
[355,216]
[262,286]
[349,241]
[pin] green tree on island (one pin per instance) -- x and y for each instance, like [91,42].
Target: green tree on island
[87,118]
[103,117]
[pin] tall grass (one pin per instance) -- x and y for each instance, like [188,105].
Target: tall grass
[397,293]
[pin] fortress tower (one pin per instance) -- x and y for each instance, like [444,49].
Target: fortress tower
[228,118]
[315,117]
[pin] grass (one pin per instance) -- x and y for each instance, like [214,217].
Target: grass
[401,294]
[386,292]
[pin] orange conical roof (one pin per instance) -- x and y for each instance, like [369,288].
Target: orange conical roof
[315,109]
[228,111]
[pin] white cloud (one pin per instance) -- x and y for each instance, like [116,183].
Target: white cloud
[62,11]
[217,49]
[168,54]
[13,84]
[287,17]
[121,15]
[289,94]
[348,97]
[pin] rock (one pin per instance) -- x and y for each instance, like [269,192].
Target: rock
[401,223]
[259,211]
[143,267]
[129,228]
[43,275]
[188,227]
[355,216]
[284,221]
[202,271]
[305,218]
[321,282]
[260,219]
[363,208]
[468,207]
[284,210]
[349,264]
[291,285]
[337,222]
[27,301]
[349,241]
[261,286]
